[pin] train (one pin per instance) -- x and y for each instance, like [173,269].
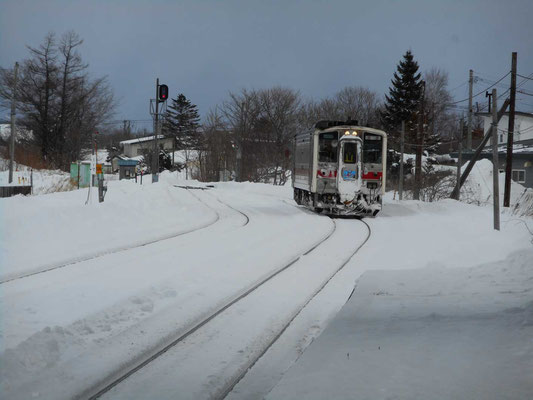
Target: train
[339,168]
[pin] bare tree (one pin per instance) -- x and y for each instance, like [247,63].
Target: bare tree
[352,102]
[279,108]
[440,122]
[359,103]
[59,103]
[241,113]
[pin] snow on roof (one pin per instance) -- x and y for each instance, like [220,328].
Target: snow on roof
[5,132]
[141,139]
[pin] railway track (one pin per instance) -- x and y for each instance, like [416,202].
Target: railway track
[231,385]
[118,249]
[120,376]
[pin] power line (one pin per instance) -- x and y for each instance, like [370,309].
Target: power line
[526,77]
[483,91]
[523,92]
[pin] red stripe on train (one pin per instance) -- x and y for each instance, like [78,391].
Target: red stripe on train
[373,175]
[326,174]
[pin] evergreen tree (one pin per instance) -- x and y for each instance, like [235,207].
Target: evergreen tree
[181,123]
[403,100]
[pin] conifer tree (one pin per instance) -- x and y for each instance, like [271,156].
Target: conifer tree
[181,123]
[403,100]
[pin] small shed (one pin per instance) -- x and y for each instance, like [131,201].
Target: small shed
[126,168]
[80,171]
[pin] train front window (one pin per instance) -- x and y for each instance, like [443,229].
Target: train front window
[372,149]
[350,153]
[327,146]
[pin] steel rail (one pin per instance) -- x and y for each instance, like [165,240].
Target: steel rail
[229,387]
[119,249]
[106,387]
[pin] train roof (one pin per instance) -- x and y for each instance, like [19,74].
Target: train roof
[349,124]
[328,126]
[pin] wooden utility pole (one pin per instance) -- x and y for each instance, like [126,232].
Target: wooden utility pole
[459,158]
[419,144]
[13,130]
[509,159]
[469,133]
[155,155]
[495,163]
[400,184]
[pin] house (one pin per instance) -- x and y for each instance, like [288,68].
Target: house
[139,146]
[522,168]
[523,127]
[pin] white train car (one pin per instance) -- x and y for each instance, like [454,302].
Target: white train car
[339,168]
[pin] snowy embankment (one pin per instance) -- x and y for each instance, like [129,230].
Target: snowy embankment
[434,237]
[435,333]
[51,230]
[44,181]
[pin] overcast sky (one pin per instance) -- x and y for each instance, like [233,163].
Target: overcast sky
[205,49]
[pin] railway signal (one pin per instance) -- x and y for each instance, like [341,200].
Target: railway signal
[162,93]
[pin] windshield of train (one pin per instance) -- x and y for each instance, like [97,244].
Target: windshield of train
[327,146]
[350,153]
[372,149]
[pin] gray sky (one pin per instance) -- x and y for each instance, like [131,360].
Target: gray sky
[207,48]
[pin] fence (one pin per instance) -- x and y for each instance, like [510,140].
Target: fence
[8,191]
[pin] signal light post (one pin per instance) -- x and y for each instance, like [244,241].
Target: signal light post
[161,96]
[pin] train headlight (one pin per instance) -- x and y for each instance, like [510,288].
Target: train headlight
[354,133]
[347,132]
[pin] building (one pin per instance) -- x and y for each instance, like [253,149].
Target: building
[523,127]
[139,146]
[127,168]
[522,168]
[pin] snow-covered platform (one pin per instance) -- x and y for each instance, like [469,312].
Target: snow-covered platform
[434,333]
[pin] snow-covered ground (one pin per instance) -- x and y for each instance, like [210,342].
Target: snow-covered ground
[435,333]
[130,278]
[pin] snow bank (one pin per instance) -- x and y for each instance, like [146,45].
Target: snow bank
[478,187]
[426,334]
[40,231]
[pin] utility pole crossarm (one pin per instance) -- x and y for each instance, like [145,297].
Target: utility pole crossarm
[483,143]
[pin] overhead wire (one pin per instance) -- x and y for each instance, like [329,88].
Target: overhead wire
[483,91]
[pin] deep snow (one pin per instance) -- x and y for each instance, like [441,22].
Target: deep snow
[62,331]
[435,333]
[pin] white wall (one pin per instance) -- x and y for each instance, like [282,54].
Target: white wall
[523,128]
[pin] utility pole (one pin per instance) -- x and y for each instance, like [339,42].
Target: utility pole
[400,184]
[495,163]
[510,133]
[459,159]
[155,156]
[419,144]
[13,130]
[469,132]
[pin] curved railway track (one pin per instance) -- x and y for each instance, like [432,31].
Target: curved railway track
[92,256]
[112,381]
[229,387]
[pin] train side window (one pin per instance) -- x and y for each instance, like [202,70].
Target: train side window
[350,153]
[327,146]
[372,149]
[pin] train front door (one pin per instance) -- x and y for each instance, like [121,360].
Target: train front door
[349,173]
